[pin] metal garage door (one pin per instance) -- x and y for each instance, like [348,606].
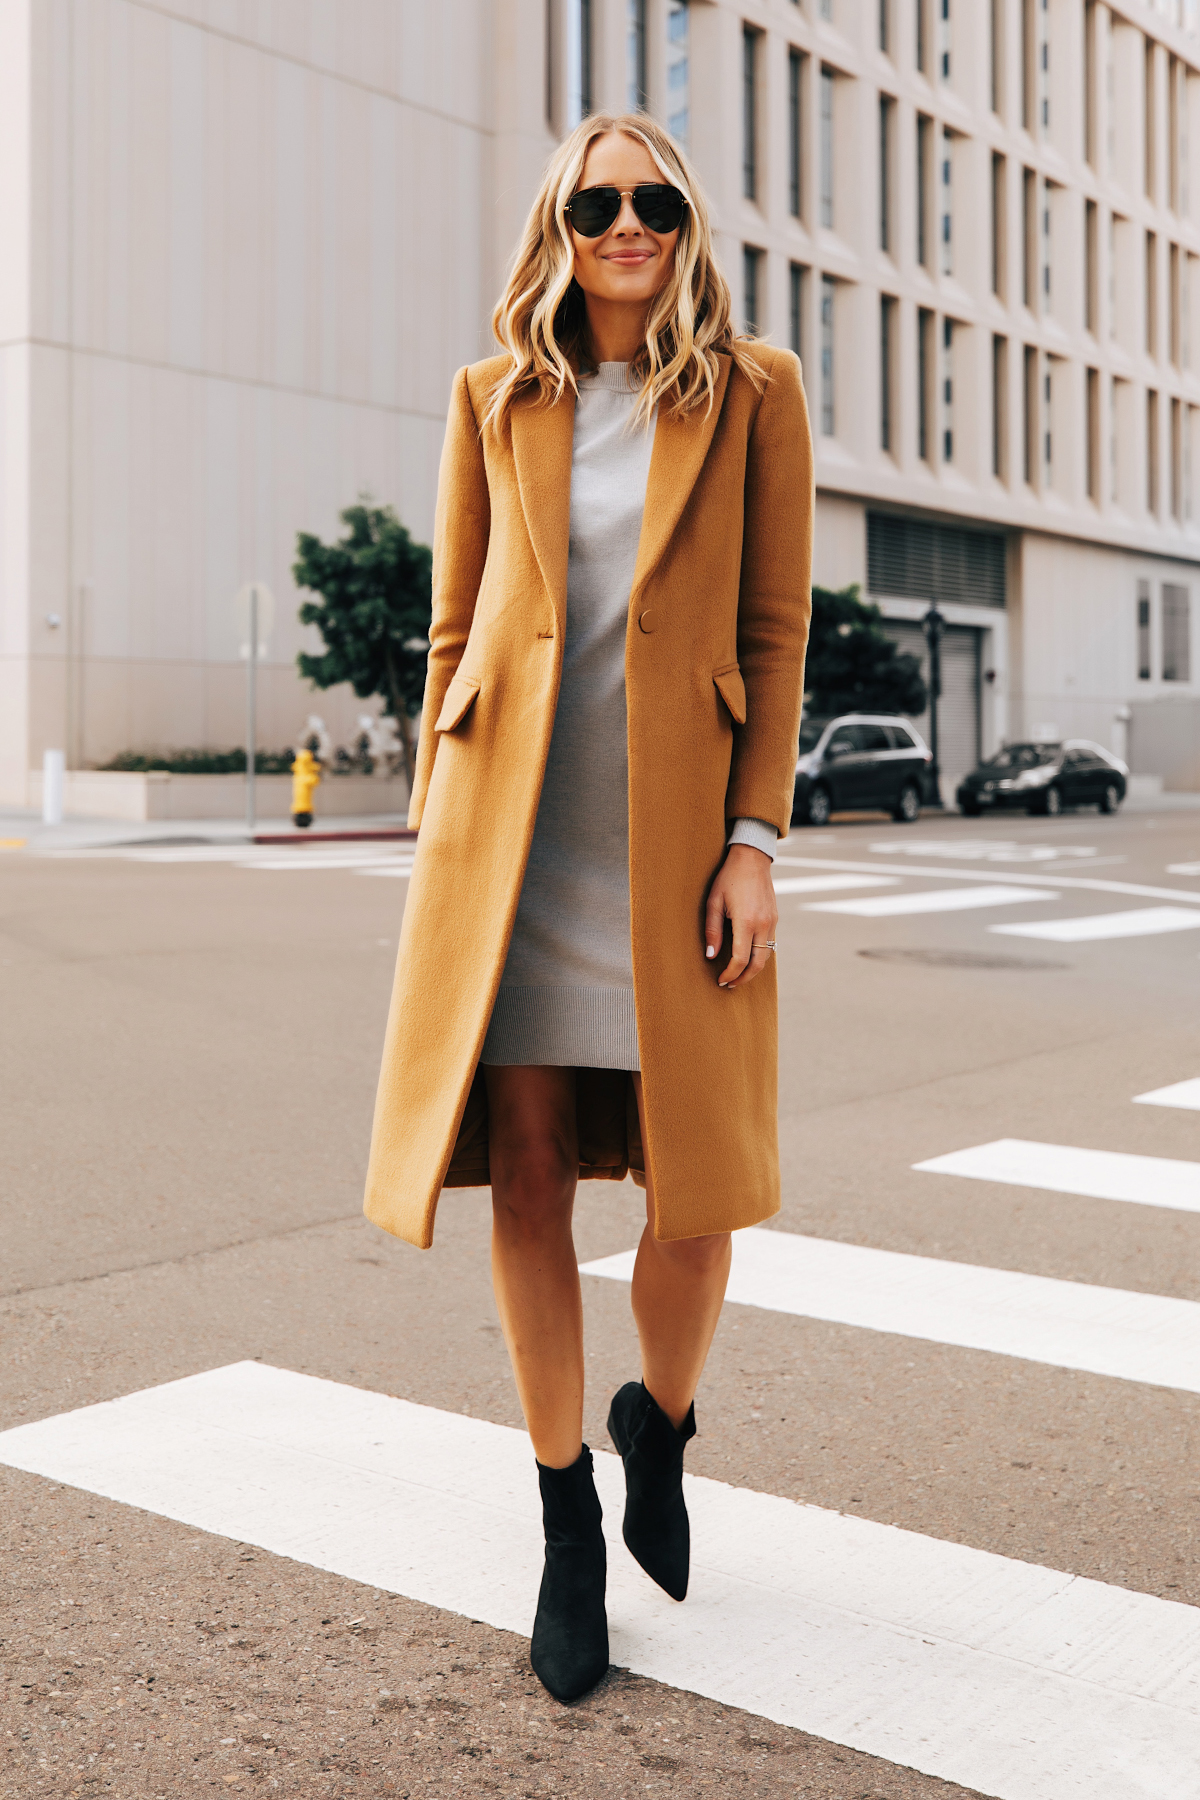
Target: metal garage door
[960,708]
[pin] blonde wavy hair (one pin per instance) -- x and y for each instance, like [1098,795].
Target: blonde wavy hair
[541,318]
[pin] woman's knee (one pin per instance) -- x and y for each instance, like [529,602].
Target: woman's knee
[533,1180]
[697,1256]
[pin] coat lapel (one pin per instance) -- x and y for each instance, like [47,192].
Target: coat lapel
[542,438]
[680,447]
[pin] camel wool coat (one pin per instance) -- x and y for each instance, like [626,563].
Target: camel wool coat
[714,672]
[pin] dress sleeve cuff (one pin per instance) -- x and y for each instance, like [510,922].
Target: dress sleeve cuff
[757,833]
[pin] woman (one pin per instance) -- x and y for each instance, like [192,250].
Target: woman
[585,983]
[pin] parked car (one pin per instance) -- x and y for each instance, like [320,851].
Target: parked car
[861,761]
[1043,778]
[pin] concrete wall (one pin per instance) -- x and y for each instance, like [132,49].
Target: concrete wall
[262,240]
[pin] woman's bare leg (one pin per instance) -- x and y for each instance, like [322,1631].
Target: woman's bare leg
[534,1153]
[678,1291]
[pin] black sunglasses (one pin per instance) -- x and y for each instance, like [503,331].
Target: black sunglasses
[595,210]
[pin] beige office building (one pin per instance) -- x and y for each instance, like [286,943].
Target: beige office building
[244,246]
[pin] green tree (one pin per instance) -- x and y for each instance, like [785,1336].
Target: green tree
[373,612]
[853,666]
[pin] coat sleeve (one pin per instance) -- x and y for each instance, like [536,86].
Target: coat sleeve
[775,599]
[461,529]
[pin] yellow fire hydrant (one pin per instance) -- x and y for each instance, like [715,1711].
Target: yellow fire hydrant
[305,777]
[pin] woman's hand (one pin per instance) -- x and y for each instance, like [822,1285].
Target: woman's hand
[742,893]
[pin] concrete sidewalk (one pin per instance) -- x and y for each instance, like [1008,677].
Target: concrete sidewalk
[23,829]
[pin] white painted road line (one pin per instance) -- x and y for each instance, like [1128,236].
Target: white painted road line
[1050,880]
[821,884]
[1181,1093]
[1192,868]
[1103,1331]
[1145,921]
[1062,1169]
[979,849]
[887,906]
[1020,1681]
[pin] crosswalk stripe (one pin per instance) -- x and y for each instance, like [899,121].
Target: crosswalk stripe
[1143,921]
[1180,1093]
[820,884]
[1063,1169]
[1102,1331]
[1024,1682]
[884,906]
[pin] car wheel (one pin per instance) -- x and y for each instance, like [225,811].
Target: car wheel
[1053,802]
[818,809]
[907,809]
[1111,799]
[970,809]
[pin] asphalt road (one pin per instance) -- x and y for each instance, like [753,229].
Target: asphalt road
[189,1058]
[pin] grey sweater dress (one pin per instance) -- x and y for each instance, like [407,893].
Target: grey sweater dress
[566,994]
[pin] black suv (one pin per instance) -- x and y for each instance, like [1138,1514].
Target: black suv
[863,761]
[1043,778]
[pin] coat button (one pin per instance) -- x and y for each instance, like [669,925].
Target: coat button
[648,621]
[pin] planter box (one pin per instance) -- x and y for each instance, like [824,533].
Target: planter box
[113,794]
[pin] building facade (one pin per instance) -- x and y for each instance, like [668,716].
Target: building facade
[245,246]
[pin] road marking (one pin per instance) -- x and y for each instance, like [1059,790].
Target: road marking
[1103,1331]
[1024,1682]
[1192,868]
[1087,884]
[1062,1169]
[820,884]
[367,860]
[1143,921]
[1181,1093]
[979,850]
[933,900]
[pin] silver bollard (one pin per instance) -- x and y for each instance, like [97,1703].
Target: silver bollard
[54,764]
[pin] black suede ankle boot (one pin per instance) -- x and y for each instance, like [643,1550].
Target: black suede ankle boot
[569,1653]
[656,1522]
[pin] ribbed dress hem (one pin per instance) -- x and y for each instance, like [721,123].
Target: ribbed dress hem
[563,1027]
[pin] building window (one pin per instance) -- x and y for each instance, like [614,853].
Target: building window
[999,404]
[885,171]
[924,136]
[1045,258]
[887,327]
[577,45]
[1150,120]
[1047,431]
[635,57]
[944,39]
[1151,291]
[1152,451]
[828,290]
[1176,633]
[826,9]
[796,308]
[1091,273]
[996,51]
[750,112]
[947,390]
[945,209]
[1089,81]
[998,221]
[1173,304]
[1029,200]
[1143,630]
[678,72]
[1093,435]
[795,79]
[751,289]
[1028,62]
[925,323]
[1173,133]
[1176,460]
[922,37]
[827,148]
[883,25]
[1030,396]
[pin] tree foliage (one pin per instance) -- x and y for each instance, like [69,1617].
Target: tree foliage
[853,666]
[373,612]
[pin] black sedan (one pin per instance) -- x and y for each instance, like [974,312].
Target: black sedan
[1045,778]
[860,761]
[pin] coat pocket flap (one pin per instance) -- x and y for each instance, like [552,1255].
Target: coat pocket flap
[460,697]
[732,690]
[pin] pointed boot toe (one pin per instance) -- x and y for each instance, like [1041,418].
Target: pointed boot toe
[569,1652]
[655,1528]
